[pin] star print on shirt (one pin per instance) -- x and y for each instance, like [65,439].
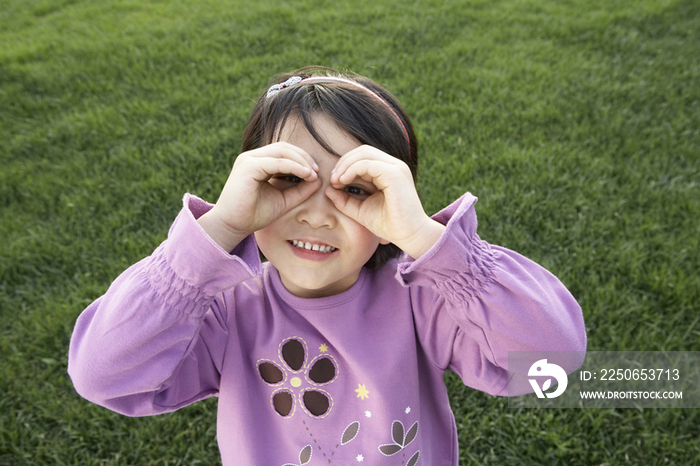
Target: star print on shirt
[360,458]
[408,409]
[361,391]
[323,348]
[368,413]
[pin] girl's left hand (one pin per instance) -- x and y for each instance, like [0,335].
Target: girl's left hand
[377,191]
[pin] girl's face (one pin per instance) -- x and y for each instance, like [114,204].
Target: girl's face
[339,246]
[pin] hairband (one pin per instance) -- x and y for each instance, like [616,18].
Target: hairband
[294,80]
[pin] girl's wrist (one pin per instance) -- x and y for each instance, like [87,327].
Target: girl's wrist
[425,238]
[219,232]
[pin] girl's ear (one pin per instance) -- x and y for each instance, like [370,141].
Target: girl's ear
[383,241]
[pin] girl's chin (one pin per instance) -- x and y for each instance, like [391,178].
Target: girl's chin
[316,288]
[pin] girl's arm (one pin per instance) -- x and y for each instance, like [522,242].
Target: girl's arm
[475,302]
[478,301]
[155,341]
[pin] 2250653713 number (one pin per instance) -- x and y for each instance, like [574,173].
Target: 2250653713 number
[639,374]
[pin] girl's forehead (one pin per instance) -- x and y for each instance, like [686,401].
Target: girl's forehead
[333,136]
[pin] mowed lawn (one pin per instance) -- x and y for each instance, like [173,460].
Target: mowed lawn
[576,123]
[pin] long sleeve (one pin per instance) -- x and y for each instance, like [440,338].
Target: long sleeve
[475,302]
[155,341]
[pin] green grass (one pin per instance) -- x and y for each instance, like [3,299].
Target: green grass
[577,123]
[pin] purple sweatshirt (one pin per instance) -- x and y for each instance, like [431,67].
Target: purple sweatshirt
[355,377]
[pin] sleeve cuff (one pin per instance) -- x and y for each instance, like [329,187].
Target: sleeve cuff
[460,263]
[193,257]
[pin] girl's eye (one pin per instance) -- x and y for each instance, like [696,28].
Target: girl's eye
[356,192]
[291,178]
[284,181]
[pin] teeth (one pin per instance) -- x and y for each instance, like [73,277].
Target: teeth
[313,247]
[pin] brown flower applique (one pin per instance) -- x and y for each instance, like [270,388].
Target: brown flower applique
[298,379]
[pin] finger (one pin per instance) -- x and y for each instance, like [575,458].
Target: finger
[286,150]
[346,204]
[299,193]
[298,150]
[378,173]
[364,152]
[265,168]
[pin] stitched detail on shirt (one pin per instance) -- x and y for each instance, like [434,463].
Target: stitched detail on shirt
[464,286]
[176,292]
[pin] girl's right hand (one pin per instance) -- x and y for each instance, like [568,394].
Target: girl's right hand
[249,202]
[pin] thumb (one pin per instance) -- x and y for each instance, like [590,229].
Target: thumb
[345,203]
[296,195]
[352,208]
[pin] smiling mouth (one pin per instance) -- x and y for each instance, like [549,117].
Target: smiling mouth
[313,247]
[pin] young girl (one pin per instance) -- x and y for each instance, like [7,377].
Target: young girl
[333,351]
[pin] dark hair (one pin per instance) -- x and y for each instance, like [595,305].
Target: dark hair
[352,108]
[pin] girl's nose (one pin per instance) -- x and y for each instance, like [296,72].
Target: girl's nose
[317,211]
